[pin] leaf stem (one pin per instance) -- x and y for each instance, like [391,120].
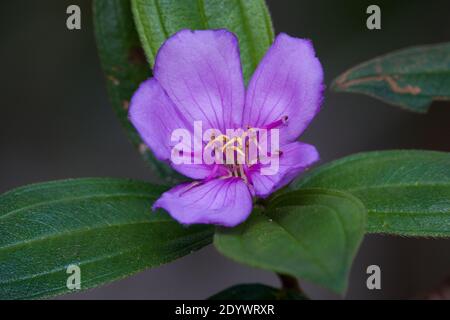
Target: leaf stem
[289,283]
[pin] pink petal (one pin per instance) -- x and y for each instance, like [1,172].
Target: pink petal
[201,72]
[225,202]
[155,117]
[295,158]
[288,82]
[200,171]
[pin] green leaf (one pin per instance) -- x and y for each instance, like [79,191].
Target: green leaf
[157,20]
[411,78]
[104,226]
[125,67]
[256,291]
[405,192]
[310,234]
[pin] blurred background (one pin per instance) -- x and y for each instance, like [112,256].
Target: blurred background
[56,123]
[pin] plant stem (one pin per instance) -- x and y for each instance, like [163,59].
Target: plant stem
[289,283]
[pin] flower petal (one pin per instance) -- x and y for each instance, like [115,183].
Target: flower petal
[225,202]
[295,158]
[288,82]
[201,72]
[155,117]
[200,171]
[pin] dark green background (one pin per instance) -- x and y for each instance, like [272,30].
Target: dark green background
[56,122]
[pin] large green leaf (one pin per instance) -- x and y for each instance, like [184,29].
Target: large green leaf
[256,291]
[125,67]
[105,226]
[310,234]
[405,192]
[411,78]
[156,20]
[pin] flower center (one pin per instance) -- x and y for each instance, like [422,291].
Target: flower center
[239,150]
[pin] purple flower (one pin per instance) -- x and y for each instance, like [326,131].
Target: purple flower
[198,77]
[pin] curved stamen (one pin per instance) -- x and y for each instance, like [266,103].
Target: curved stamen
[240,146]
[278,123]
